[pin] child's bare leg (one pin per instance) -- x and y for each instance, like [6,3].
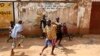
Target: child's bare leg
[13,47]
[57,42]
[9,38]
[12,52]
[43,49]
[21,40]
[53,47]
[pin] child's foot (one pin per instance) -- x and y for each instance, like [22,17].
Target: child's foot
[41,53]
[12,52]
[52,54]
[19,45]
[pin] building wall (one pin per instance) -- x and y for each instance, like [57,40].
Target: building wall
[69,15]
[6,14]
[85,21]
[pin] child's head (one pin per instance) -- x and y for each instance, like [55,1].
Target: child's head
[57,19]
[11,22]
[49,22]
[20,22]
[44,17]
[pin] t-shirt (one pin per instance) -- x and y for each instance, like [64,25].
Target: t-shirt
[17,28]
[51,32]
[59,27]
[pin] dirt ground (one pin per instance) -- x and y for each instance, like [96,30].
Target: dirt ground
[88,45]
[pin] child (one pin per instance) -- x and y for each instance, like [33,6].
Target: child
[59,32]
[16,31]
[43,25]
[51,36]
[65,31]
[11,27]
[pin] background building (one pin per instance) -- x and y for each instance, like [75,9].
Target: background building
[77,15]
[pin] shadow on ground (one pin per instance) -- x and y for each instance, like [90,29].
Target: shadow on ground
[21,54]
[37,41]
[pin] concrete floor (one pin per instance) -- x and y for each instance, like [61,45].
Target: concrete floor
[88,45]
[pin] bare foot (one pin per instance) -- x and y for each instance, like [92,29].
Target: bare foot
[12,52]
[52,54]
[19,45]
[41,53]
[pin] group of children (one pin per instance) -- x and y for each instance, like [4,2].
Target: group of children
[53,32]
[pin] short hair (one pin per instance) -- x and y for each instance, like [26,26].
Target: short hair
[20,22]
[11,22]
[48,22]
[44,16]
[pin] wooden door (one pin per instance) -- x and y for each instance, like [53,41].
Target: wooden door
[95,18]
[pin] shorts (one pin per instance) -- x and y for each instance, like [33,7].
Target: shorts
[50,42]
[59,36]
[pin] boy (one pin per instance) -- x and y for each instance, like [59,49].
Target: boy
[11,27]
[51,36]
[59,32]
[43,25]
[65,31]
[16,31]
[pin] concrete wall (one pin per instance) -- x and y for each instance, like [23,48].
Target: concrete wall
[6,14]
[31,15]
[85,20]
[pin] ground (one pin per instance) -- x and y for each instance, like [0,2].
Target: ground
[88,45]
